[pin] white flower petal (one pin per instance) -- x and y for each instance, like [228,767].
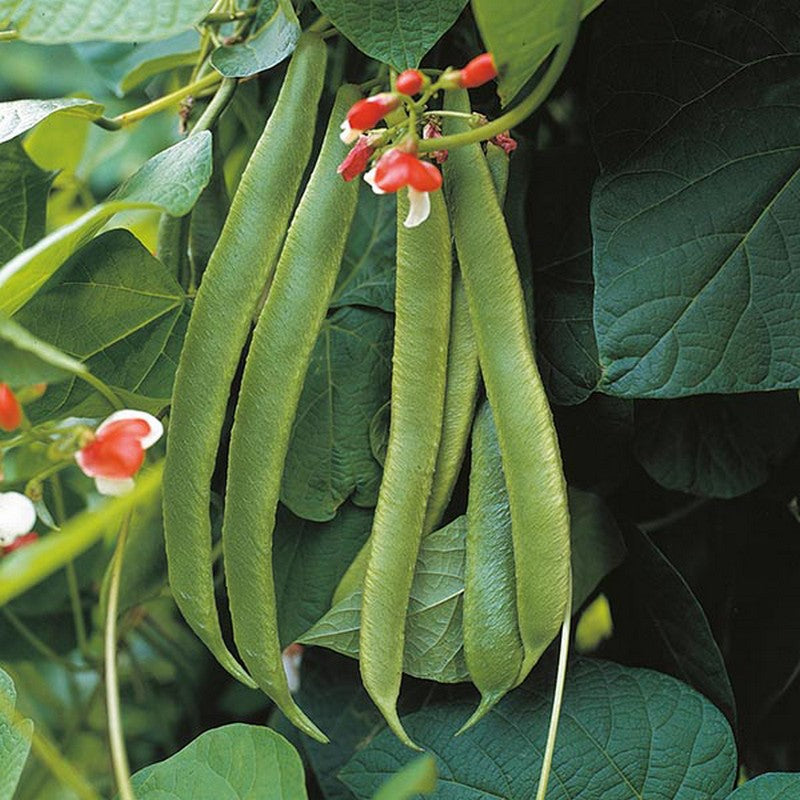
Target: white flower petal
[348,134]
[17,516]
[114,487]
[419,208]
[369,177]
[291,666]
[156,428]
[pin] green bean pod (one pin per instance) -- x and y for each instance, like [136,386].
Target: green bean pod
[419,367]
[492,645]
[238,270]
[528,444]
[274,373]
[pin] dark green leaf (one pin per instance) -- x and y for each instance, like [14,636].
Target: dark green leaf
[117,310]
[234,762]
[272,40]
[309,560]
[773,786]
[18,116]
[170,181]
[716,446]
[397,32]
[15,742]
[367,274]
[417,777]
[696,219]
[624,733]
[85,20]
[23,198]
[329,456]
[520,34]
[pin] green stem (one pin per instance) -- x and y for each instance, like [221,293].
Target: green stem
[8,36]
[443,113]
[103,388]
[320,24]
[119,757]
[168,100]
[41,647]
[228,16]
[217,105]
[521,112]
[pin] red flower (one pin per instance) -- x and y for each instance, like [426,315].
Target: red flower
[10,409]
[478,71]
[116,452]
[410,82]
[366,114]
[20,541]
[396,169]
[357,159]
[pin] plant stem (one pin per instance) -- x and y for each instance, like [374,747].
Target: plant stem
[103,388]
[119,757]
[558,696]
[217,105]
[41,647]
[129,117]
[228,16]
[320,24]
[8,36]
[522,111]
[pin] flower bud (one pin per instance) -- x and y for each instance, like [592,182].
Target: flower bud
[410,82]
[478,71]
[10,409]
[357,159]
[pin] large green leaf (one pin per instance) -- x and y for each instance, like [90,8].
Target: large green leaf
[521,34]
[624,733]
[367,274]
[772,786]
[348,378]
[696,220]
[23,198]
[117,310]
[275,34]
[234,762]
[18,116]
[170,181]
[434,638]
[309,559]
[417,777]
[716,445]
[15,742]
[397,32]
[85,20]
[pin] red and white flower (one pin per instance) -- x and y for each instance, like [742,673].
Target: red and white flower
[357,159]
[116,452]
[396,169]
[366,114]
[10,409]
[17,517]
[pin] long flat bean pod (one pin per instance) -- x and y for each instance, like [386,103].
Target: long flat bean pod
[463,378]
[419,366]
[492,645]
[528,443]
[238,269]
[276,366]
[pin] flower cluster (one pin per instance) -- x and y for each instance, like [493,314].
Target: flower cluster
[397,164]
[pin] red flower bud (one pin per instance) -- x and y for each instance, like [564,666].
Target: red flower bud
[479,71]
[505,142]
[20,541]
[357,159]
[410,82]
[366,114]
[10,409]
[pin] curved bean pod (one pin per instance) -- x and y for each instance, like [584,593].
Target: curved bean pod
[528,443]
[240,266]
[274,373]
[419,367]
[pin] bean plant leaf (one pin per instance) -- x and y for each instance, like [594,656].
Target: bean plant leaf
[23,198]
[673,621]
[397,32]
[15,742]
[117,310]
[88,20]
[624,733]
[716,445]
[521,34]
[366,277]
[309,559]
[695,219]
[126,65]
[275,36]
[434,636]
[18,116]
[171,181]
[415,778]
[772,786]
[234,762]
[348,379]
